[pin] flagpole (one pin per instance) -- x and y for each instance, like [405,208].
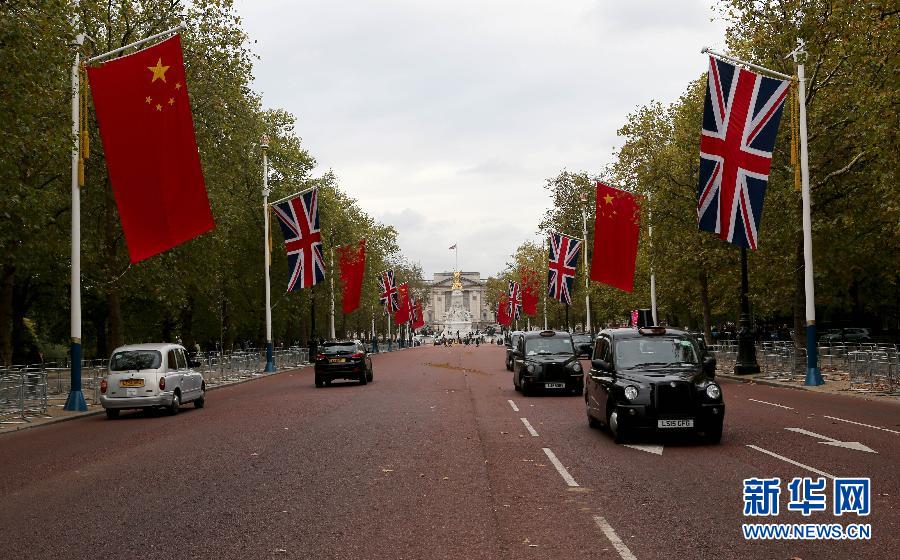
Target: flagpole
[652,273]
[137,43]
[813,375]
[270,362]
[295,195]
[75,401]
[546,271]
[331,324]
[587,276]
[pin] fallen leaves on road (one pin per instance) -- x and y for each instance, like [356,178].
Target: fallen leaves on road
[387,470]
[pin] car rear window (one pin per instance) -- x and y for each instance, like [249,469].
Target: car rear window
[581,339]
[126,360]
[341,348]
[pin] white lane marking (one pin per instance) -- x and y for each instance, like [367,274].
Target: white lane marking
[614,538]
[560,468]
[513,405]
[772,404]
[835,442]
[791,461]
[528,427]
[861,424]
[649,448]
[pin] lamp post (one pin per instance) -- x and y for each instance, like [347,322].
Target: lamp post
[270,362]
[746,356]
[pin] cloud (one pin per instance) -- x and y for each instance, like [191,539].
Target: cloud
[446,119]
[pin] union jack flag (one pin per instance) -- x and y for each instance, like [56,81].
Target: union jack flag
[564,251]
[390,297]
[299,220]
[413,312]
[514,307]
[740,122]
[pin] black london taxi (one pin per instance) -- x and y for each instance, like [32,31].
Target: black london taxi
[343,359]
[511,341]
[546,360]
[652,379]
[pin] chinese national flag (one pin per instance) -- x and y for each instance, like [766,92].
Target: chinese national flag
[616,231]
[529,292]
[352,260]
[420,319]
[144,113]
[402,315]
[503,311]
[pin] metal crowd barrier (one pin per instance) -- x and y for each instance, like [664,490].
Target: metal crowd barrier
[23,394]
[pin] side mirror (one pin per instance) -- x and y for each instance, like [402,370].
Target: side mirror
[709,366]
[600,365]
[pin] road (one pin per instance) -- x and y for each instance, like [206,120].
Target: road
[438,458]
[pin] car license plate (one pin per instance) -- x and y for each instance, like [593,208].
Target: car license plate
[130,392]
[555,385]
[337,360]
[131,383]
[676,423]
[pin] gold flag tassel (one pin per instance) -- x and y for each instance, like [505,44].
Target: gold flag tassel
[795,133]
[84,139]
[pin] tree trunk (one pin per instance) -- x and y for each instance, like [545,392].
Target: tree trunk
[115,330]
[187,324]
[6,301]
[703,277]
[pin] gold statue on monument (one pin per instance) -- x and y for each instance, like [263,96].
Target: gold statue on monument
[457,284]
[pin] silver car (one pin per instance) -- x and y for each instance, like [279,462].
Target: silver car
[151,376]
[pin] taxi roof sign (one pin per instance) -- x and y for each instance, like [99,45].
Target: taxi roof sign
[652,330]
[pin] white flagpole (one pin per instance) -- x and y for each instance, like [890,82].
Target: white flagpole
[75,401]
[587,276]
[270,362]
[331,325]
[813,375]
[546,271]
[652,273]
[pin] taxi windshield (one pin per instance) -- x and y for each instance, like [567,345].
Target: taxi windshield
[127,360]
[548,345]
[636,352]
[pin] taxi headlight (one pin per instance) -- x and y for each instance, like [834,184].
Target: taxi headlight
[631,392]
[530,368]
[713,391]
[576,367]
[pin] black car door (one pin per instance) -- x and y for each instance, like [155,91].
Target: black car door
[599,381]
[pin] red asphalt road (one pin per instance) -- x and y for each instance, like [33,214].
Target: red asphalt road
[429,461]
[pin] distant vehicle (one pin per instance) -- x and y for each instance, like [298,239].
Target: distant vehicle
[700,339]
[584,343]
[342,359]
[546,360]
[652,379]
[855,335]
[149,376]
[511,342]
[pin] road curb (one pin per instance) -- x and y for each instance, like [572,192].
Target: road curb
[771,383]
[101,410]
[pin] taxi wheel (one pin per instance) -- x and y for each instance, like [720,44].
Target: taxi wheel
[713,435]
[319,382]
[362,378]
[618,432]
[176,404]
[594,423]
[112,413]
[525,387]
[370,376]
[200,401]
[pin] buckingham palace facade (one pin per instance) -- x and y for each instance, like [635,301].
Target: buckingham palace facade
[473,290]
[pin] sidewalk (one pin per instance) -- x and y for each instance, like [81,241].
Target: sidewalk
[56,414]
[836,383]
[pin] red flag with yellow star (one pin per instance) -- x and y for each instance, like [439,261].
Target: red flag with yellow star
[616,231]
[144,114]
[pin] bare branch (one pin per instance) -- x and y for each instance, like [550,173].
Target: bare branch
[840,171]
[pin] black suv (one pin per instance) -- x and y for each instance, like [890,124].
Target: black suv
[652,379]
[343,359]
[546,360]
[511,341]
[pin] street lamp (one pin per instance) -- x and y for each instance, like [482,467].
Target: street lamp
[264,144]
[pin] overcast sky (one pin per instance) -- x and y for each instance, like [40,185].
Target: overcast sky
[445,119]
